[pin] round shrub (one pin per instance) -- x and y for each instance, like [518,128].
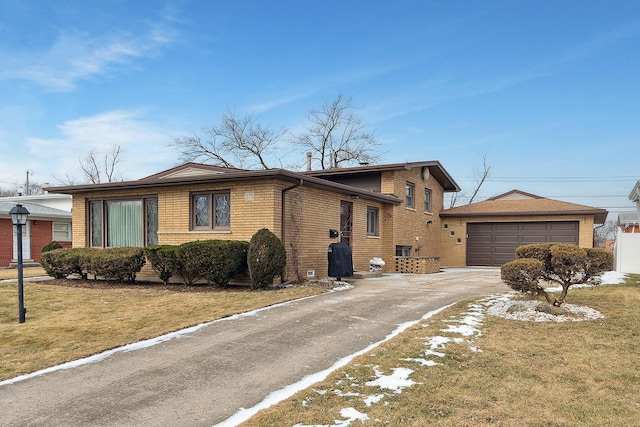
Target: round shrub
[539,251]
[163,260]
[523,274]
[598,261]
[51,246]
[267,258]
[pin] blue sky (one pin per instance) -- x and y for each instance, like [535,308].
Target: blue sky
[549,90]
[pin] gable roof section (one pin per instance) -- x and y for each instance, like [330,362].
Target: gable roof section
[626,219]
[190,169]
[519,203]
[634,196]
[435,168]
[233,175]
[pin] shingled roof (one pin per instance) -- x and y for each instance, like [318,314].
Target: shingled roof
[519,203]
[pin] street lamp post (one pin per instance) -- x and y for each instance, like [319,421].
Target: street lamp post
[19,215]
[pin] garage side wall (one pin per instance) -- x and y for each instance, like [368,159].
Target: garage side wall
[454,233]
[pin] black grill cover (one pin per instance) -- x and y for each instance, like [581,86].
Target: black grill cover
[340,260]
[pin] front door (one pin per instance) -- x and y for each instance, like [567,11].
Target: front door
[26,241]
[346,221]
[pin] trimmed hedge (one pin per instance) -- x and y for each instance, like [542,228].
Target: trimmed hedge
[215,261]
[111,263]
[163,260]
[562,263]
[598,260]
[63,262]
[267,258]
[51,246]
[116,263]
[522,274]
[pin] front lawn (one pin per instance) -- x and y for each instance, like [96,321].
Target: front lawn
[69,321]
[464,367]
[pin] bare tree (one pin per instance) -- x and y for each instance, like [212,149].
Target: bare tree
[335,136]
[30,188]
[235,142]
[98,168]
[480,176]
[604,232]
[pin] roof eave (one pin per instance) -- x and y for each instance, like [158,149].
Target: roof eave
[599,215]
[442,176]
[280,174]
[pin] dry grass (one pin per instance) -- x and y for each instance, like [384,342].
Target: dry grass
[527,374]
[66,323]
[12,273]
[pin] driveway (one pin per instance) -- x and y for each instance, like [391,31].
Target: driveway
[205,376]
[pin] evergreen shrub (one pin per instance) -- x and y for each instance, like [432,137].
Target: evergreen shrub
[267,258]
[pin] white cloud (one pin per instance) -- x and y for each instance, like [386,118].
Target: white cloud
[74,56]
[143,144]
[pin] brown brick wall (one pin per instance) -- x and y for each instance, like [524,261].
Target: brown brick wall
[6,242]
[454,254]
[41,234]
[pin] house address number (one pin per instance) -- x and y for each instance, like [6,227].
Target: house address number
[250,197]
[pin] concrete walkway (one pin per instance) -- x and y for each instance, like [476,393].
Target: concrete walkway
[206,376]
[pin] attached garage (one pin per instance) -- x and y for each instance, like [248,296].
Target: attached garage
[487,233]
[494,243]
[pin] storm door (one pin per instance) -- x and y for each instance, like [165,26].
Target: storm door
[26,241]
[346,221]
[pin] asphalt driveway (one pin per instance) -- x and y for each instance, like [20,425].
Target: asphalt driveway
[205,376]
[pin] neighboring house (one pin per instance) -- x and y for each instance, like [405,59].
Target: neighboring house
[635,196]
[628,222]
[45,224]
[627,250]
[381,211]
[488,232]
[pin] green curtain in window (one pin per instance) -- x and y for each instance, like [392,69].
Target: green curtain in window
[124,223]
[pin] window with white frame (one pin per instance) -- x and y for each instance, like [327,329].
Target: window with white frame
[211,211]
[61,231]
[410,195]
[427,200]
[372,221]
[117,223]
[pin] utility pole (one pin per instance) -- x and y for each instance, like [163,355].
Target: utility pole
[26,189]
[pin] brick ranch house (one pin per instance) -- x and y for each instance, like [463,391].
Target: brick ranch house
[388,211]
[380,210]
[46,223]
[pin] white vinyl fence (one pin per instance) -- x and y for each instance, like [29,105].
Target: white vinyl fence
[627,252]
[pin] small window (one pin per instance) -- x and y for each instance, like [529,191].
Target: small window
[427,200]
[403,250]
[211,211]
[372,221]
[62,231]
[409,197]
